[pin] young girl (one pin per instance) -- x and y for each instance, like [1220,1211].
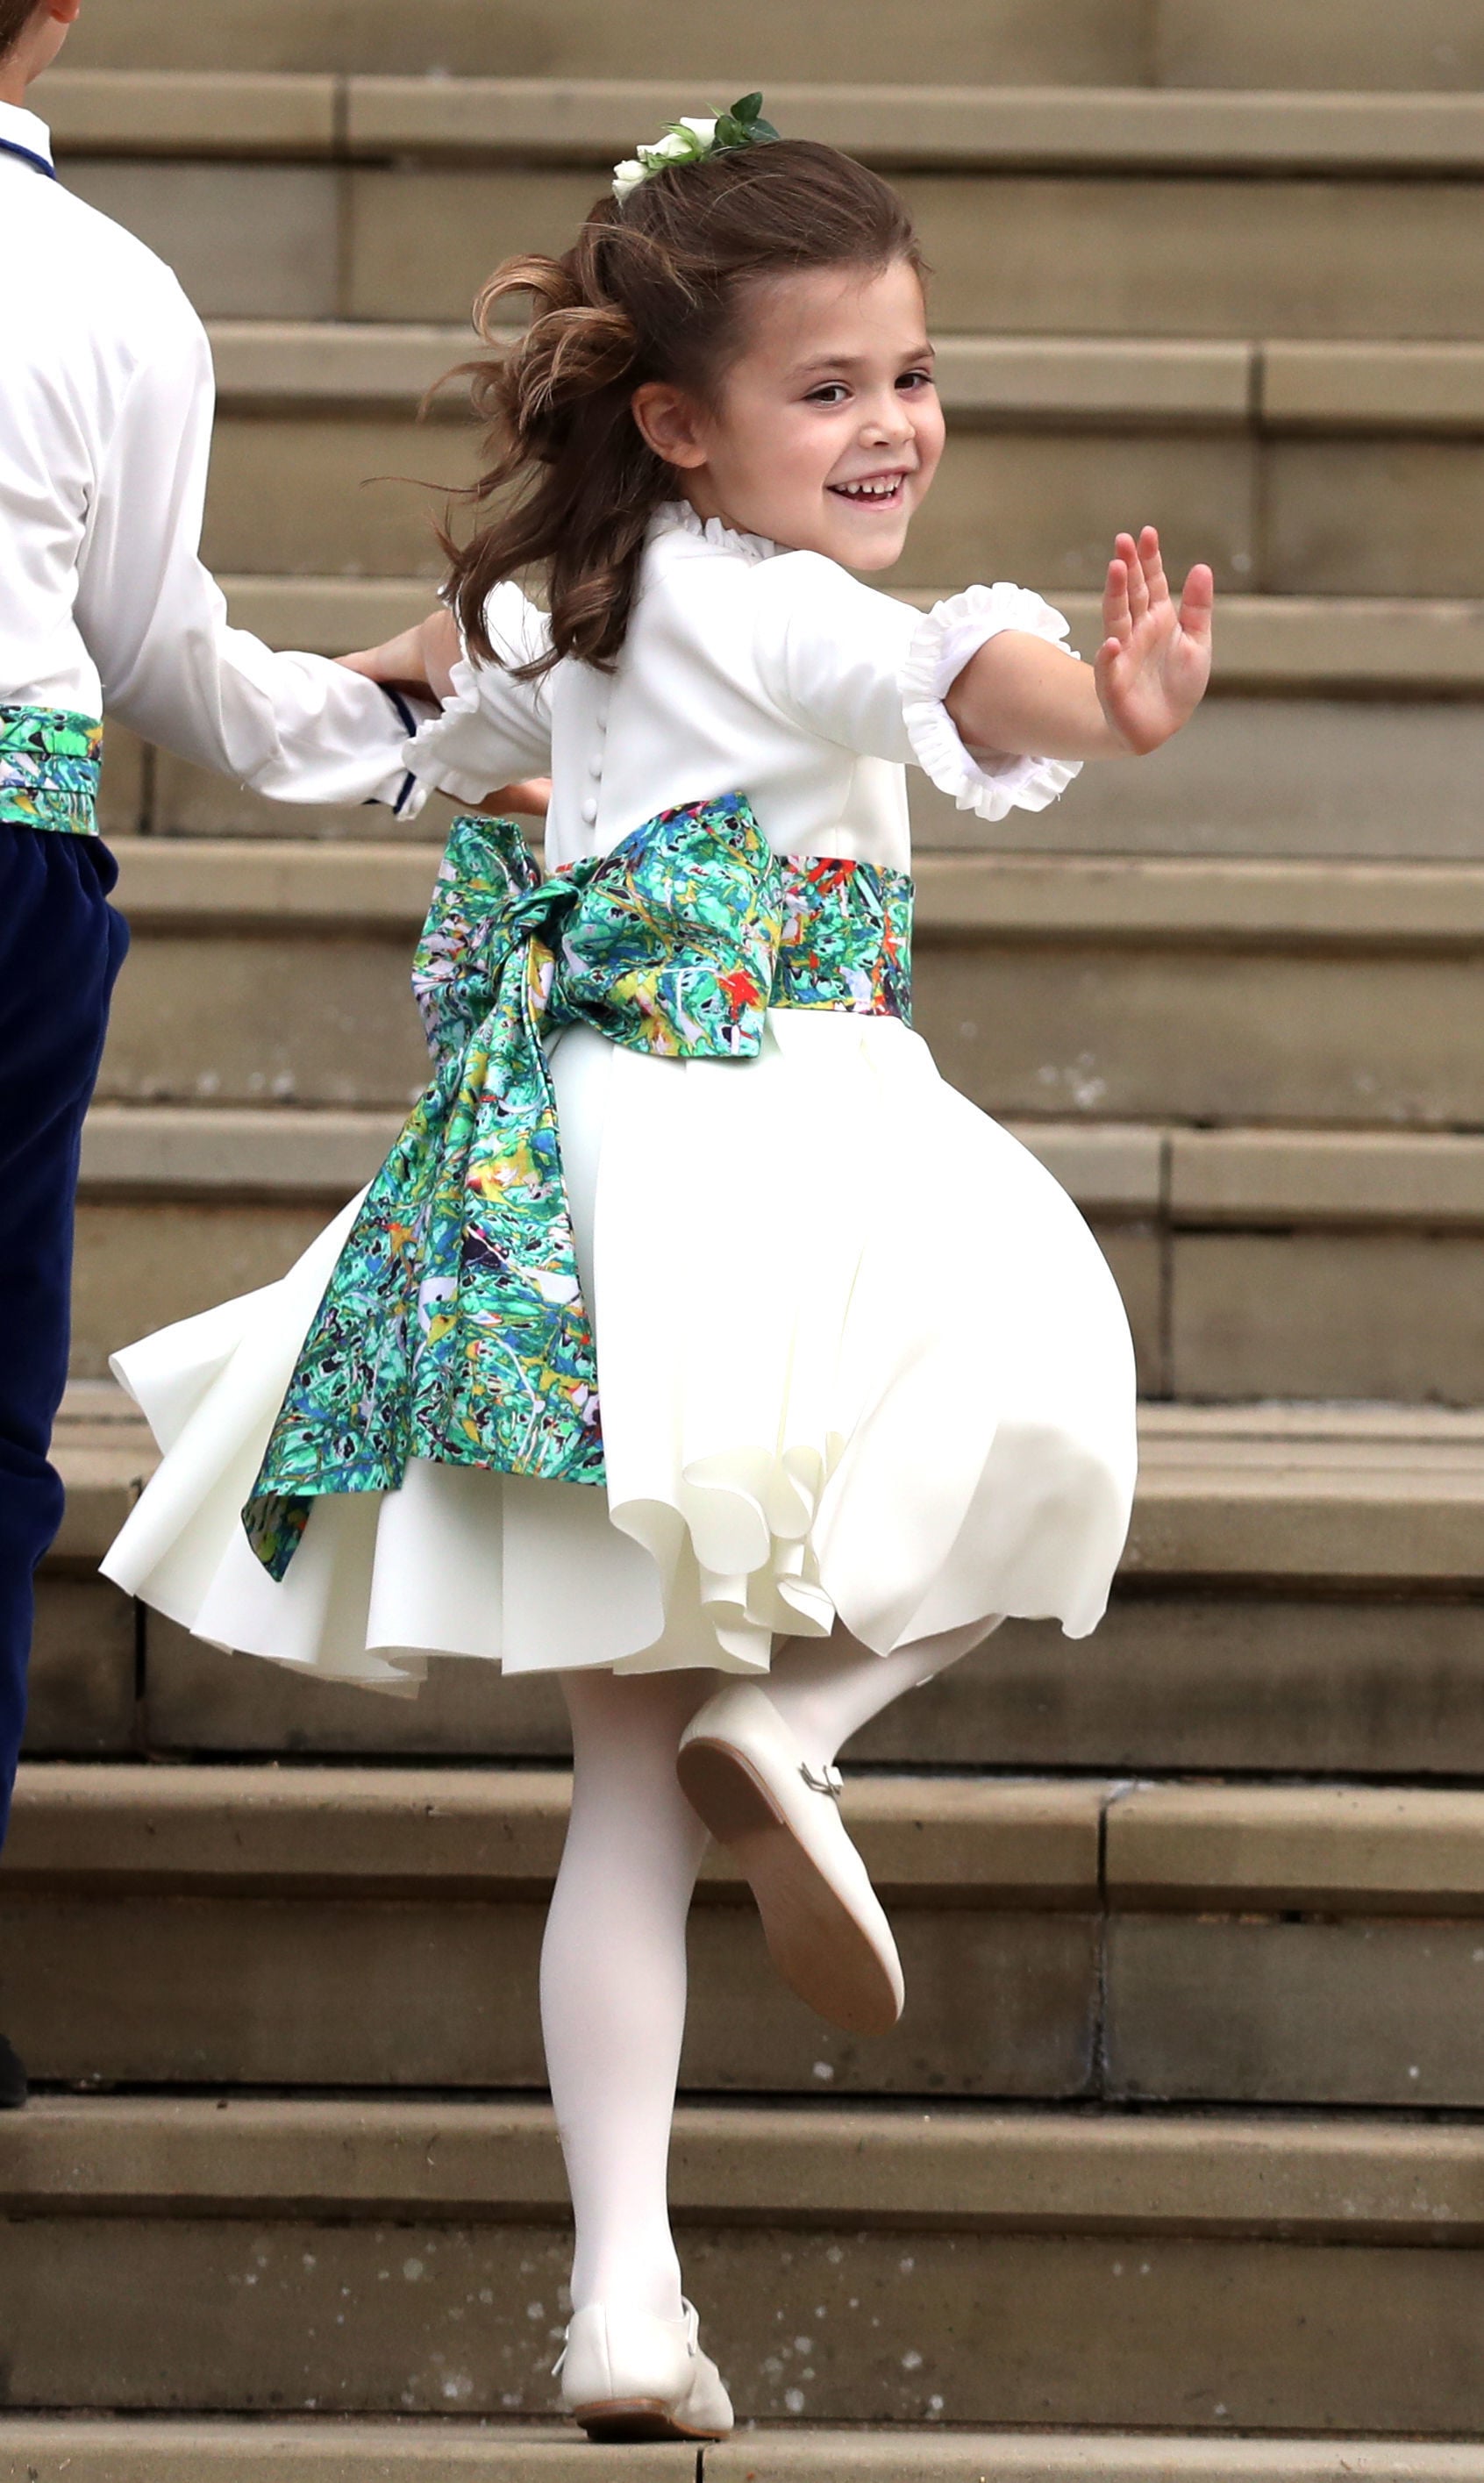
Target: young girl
[861,1383]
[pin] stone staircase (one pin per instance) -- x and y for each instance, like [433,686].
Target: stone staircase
[1176,2166]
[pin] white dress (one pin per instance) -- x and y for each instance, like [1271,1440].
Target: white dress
[858,1355]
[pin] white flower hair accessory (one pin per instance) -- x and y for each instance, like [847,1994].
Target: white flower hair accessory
[691,139]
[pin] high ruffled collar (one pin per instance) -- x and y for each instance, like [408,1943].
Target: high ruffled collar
[679,516]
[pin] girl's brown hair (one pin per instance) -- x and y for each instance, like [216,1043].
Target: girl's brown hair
[654,289]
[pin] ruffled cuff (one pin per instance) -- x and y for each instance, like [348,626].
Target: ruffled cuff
[989,782]
[451,753]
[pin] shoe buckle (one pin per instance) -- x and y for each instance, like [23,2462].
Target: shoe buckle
[826,1780]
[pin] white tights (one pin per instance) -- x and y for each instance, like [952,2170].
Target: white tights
[613,1962]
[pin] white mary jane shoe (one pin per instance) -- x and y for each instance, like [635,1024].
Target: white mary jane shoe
[742,1770]
[629,2375]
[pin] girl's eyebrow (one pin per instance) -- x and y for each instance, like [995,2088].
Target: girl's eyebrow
[921,353]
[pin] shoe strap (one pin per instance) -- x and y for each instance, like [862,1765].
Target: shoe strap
[692,2337]
[826,1780]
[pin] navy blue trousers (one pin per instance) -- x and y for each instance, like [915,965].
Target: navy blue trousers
[60,946]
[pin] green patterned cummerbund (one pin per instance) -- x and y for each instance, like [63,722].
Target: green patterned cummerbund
[50,763]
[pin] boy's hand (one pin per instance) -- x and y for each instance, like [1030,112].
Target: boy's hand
[1154,665]
[420,661]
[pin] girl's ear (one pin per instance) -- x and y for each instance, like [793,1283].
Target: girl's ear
[670,423]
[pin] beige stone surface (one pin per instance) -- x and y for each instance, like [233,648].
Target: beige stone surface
[1332,1848]
[1132,1033]
[1424,515]
[1312,776]
[317,496]
[1364,43]
[1037,2457]
[1288,1177]
[177,1150]
[81,1681]
[138,1268]
[125,790]
[1374,385]
[1169,258]
[499,1834]
[1008,42]
[198,1697]
[307,1991]
[257,1020]
[248,241]
[47,2450]
[1320,645]
[293,881]
[1342,2013]
[1369,1314]
[137,2450]
[191,802]
[1342,1685]
[364,2317]
[1048,506]
[185,112]
[977,2168]
[1347,1685]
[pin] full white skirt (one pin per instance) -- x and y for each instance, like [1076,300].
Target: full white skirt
[859,1358]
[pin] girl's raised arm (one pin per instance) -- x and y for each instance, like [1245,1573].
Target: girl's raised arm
[1019,693]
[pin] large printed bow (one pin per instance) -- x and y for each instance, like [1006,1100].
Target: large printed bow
[453,1326]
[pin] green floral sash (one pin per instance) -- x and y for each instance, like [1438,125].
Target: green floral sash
[453,1326]
[50,763]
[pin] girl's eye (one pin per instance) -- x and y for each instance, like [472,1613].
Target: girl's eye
[833,393]
[916,380]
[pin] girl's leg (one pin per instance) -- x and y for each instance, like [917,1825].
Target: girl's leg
[827,1689]
[613,1979]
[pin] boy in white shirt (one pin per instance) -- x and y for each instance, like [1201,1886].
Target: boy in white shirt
[106,402]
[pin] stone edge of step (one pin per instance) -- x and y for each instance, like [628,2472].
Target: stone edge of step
[498,1832]
[1246,1179]
[1032,1844]
[1306,643]
[1386,1497]
[202,2449]
[1275,383]
[1365,2178]
[285,885]
[585,121]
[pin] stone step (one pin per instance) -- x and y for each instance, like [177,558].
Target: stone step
[1254,1262]
[1073,1939]
[965,126]
[1300,1594]
[53,2450]
[1036,495]
[1275,385]
[1203,2272]
[1355,43]
[1177,214]
[1154,988]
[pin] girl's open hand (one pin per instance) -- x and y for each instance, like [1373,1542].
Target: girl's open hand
[1154,665]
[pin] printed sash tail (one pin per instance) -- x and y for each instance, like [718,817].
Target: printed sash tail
[454,1327]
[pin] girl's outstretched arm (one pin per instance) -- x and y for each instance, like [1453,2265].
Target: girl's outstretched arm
[1020,694]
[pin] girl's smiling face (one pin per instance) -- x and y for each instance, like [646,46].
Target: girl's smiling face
[826,430]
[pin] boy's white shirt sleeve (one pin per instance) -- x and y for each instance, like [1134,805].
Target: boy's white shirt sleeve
[858,668]
[298,727]
[493,729]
